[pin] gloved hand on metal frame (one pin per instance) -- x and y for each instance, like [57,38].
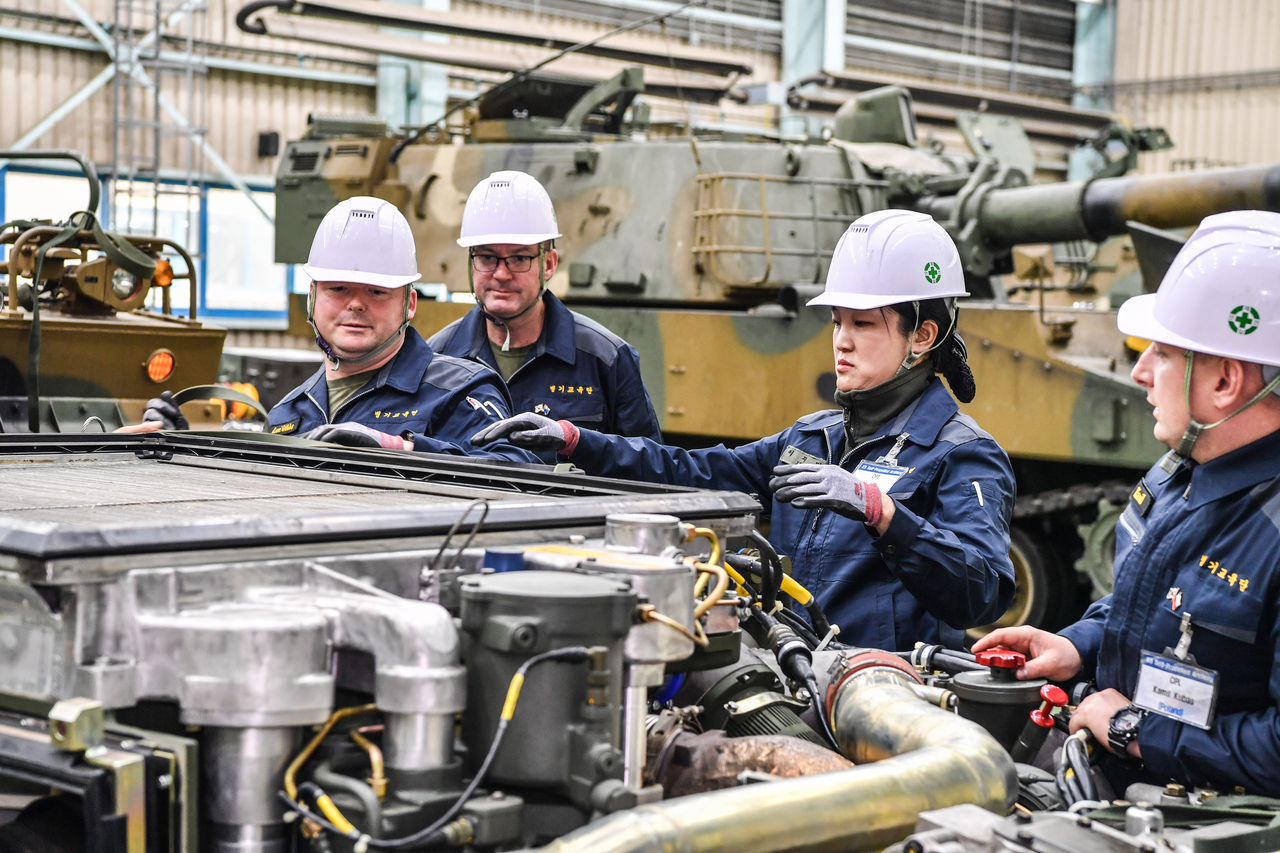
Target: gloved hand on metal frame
[533,432]
[166,412]
[828,487]
[351,434]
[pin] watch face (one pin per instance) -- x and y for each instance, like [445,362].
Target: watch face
[1126,721]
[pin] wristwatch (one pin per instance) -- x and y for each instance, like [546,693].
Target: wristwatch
[1123,729]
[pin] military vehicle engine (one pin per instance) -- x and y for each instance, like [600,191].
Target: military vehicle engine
[256,645]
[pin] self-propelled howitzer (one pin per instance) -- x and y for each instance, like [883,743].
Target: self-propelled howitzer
[702,251]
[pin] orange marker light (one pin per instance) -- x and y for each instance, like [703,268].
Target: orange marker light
[163,276]
[160,365]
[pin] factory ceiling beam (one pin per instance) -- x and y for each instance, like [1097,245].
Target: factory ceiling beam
[662,82]
[535,33]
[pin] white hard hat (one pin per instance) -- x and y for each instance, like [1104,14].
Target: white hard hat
[1221,295]
[892,256]
[364,240]
[508,207]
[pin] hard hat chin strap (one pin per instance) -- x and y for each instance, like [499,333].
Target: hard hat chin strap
[1194,428]
[331,356]
[542,289]
[912,356]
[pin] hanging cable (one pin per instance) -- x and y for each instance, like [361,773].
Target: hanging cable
[437,833]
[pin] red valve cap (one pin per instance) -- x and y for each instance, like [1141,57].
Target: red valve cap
[1002,658]
[1054,695]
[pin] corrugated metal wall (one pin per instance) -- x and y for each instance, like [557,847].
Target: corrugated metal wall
[743,26]
[35,79]
[1015,46]
[1208,71]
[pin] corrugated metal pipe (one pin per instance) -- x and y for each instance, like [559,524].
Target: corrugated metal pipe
[920,757]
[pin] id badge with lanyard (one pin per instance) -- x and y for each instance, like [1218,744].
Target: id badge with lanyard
[885,471]
[1173,685]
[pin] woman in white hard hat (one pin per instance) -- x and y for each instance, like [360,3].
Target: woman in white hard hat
[1197,567]
[556,362]
[894,508]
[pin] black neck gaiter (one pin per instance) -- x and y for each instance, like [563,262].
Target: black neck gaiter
[866,411]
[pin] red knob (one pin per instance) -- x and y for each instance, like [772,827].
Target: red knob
[1001,658]
[1054,697]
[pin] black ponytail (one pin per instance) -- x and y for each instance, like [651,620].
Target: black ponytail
[950,356]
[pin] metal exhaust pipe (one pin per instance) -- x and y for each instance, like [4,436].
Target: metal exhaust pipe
[920,758]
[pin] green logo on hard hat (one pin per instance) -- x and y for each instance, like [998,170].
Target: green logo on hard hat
[932,273]
[1244,320]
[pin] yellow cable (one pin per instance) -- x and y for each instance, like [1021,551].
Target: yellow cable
[330,811]
[513,695]
[789,586]
[793,589]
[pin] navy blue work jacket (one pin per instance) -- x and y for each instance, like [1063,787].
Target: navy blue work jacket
[1205,540]
[579,371]
[442,400]
[941,566]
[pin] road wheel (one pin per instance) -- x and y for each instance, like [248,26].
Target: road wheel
[1036,581]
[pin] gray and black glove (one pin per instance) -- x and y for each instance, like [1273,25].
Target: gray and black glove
[828,487]
[164,410]
[352,434]
[531,431]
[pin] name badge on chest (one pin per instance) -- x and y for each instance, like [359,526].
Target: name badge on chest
[1174,686]
[885,471]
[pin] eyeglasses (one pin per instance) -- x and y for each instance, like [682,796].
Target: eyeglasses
[515,263]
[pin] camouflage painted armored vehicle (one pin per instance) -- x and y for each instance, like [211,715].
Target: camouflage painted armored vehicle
[701,252]
[85,350]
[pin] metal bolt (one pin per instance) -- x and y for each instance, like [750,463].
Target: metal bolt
[1173,789]
[577,539]
[1025,837]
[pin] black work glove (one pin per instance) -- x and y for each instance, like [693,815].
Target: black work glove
[352,434]
[164,410]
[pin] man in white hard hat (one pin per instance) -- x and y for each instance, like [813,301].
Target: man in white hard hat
[1186,650]
[381,386]
[556,362]
[895,507]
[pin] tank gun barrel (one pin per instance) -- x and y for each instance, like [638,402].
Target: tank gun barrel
[1095,210]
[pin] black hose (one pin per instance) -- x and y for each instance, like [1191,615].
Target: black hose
[1078,759]
[821,626]
[819,708]
[448,537]
[800,626]
[953,664]
[770,582]
[257,27]
[326,777]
